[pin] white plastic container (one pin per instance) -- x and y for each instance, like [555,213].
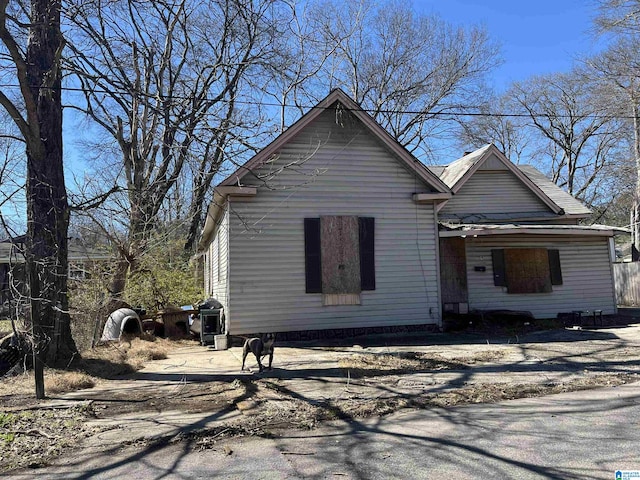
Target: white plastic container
[220,342]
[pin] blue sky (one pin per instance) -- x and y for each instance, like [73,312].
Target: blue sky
[537,37]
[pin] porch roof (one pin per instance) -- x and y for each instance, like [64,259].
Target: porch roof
[447,229]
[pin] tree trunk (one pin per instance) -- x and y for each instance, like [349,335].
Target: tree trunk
[130,251]
[192,233]
[635,208]
[196,210]
[47,207]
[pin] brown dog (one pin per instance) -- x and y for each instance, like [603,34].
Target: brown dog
[260,347]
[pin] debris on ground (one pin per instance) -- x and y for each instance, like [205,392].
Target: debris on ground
[368,382]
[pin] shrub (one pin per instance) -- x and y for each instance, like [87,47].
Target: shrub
[165,278]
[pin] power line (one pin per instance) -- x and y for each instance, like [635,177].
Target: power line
[369,111]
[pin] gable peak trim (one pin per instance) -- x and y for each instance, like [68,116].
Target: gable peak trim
[484,153]
[412,164]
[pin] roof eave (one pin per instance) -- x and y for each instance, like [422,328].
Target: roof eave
[480,232]
[221,195]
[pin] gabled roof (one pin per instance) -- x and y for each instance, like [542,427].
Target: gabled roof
[338,96]
[570,204]
[456,174]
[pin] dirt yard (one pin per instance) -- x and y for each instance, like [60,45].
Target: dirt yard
[312,383]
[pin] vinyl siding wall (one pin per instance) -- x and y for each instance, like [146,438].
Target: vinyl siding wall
[335,168]
[586,274]
[217,262]
[494,192]
[493,163]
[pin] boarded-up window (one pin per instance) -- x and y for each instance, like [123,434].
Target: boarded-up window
[339,251]
[339,254]
[526,270]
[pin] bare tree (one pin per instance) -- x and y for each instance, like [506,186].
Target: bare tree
[578,138]
[12,209]
[297,74]
[411,71]
[618,16]
[37,113]
[164,79]
[618,67]
[497,121]
[12,172]
[617,71]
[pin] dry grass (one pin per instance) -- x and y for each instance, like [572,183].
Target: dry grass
[118,358]
[55,381]
[481,357]
[32,437]
[5,327]
[22,384]
[105,361]
[491,393]
[141,351]
[376,364]
[60,382]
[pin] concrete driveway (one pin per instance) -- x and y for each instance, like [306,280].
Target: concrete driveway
[312,373]
[576,435]
[588,434]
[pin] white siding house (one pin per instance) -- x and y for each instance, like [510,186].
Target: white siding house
[335,165]
[217,263]
[334,225]
[513,242]
[585,265]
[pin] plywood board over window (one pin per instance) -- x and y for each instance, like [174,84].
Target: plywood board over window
[340,246]
[339,258]
[527,270]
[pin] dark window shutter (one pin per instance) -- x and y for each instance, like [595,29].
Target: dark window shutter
[554,267]
[367,253]
[499,277]
[313,266]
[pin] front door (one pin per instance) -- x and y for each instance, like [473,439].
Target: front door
[453,273]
